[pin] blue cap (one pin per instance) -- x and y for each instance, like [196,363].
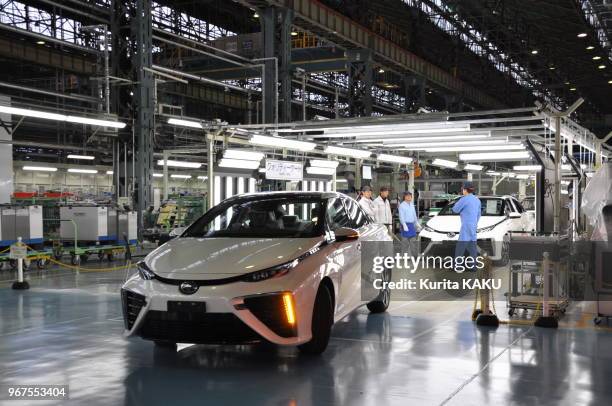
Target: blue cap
[468,185]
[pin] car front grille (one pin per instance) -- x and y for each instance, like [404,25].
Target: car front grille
[269,309]
[132,304]
[196,328]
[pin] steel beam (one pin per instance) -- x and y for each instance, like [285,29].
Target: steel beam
[359,67]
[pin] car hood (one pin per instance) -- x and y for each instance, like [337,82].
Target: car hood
[452,224]
[216,258]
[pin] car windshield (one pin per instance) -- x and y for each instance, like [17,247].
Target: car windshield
[489,207]
[267,217]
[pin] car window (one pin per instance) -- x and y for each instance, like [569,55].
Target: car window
[336,214]
[519,206]
[297,217]
[356,215]
[488,207]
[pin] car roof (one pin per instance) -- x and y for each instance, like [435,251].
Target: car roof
[285,194]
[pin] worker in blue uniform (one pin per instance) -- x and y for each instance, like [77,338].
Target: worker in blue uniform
[468,207]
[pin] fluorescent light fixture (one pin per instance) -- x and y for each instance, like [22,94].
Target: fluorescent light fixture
[391,140]
[534,168]
[109,172]
[86,157]
[493,173]
[495,156]
[477,148]
[184,123]
[243,154]
[472,167]
[180,164]
[60,117]
[582,35]
[448,143]
[522,176]
[319,170]
[354,153]
[201,177]
[39,168]
[79,170]
[534,52]
[238,163]
[278,142]
[353,133]
[179,176]
[158,175]
[596,58]
[394,158]
[590,47]
[444,163]
[324,163]
[94,121]
[339,180]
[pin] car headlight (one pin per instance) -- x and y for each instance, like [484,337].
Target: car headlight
[489,228]
[144,271]
[278,270]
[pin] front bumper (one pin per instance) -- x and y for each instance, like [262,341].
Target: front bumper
[235,313]
[434,243]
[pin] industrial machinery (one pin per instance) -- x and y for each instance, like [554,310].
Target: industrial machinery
[21,221]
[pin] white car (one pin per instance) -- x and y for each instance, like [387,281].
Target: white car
[499,216]
[280,267]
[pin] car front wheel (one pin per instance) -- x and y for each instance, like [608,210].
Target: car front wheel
[322,320]
[381,303]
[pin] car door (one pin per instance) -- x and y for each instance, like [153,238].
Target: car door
[347,256]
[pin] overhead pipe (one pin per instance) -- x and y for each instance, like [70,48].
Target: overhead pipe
[200,78]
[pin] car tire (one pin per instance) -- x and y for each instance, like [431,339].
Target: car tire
[381,303]
[505,254]
[322,321]
[165,344]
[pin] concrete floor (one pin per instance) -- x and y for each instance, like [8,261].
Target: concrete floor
[67,330]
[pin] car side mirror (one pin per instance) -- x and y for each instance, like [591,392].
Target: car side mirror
[176,232]
[514,215]
[346,234]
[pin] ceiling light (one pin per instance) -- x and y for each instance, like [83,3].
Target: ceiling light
[294,33]
[596,58]
[319,170]
[256,15]
[354,153]
[238,163]
[472,167]
[158,175]
[477,148]
[610,82]
[387,132]
[601,67]
[201,177]
[582,35]
[493,173]
[185,123]
[40,168]
[572,89]
[522,176]
[552,68]
[535,168]
[179,176]
[427,145]
[279,142]
[495,156]
[109,172]
[444,163]
[534,52]
[381,70]
[59,117]
[41,42]
[243,154]
[180,164]
[324,163]
[441,137]
[77,170]
[86,157]
[394,158]
[590,47]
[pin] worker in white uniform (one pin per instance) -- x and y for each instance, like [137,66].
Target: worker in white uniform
[365,201]
[382,212]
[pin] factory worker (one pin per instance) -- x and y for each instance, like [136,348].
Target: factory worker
[382,209]
[409,226]
[468,207]
[365,201]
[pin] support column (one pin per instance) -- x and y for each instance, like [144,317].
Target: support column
[414,94]
[359,68]
[276,23]
[144,125]
[557,188]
